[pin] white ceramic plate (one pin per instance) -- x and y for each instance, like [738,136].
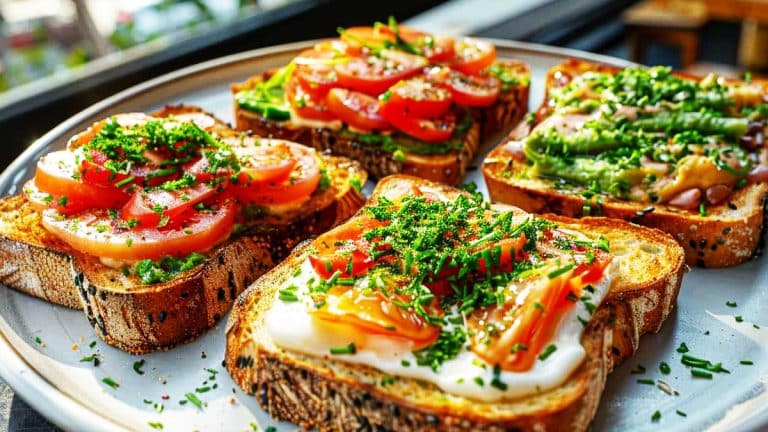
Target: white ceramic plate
[50,376]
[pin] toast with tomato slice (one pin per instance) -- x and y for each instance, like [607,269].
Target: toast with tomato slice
[386,97]
[174,298]
[694,167]
[334,392]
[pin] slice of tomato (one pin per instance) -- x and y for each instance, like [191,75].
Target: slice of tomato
[315,69]
[438,49]
[430,130]
[93,233]
[265,160]
[356,109]
[57,174]
[467,90]
[420,98]
[370,312]
[473,55]
[374,74]
[344,249]
[150,208]
[306,104]
[296,188]
[505,253]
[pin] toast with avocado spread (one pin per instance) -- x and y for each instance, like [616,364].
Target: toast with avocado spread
[153,224]
[684,154]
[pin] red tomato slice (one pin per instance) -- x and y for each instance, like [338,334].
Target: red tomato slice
[373,75]
[373,313]
[93,233]
[467,90]
[510,250]
[473,55]
[149,208]
[438,49]
[344,249]
[420,98]
[301,182]
[57,175]
[316,71]
[430,130]
[265,160]
[306,104]
[356,109]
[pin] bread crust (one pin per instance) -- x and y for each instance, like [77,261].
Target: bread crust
[141,318]
[329,395]
[730,234]
[449,168]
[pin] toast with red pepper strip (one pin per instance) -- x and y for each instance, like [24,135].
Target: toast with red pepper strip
[173,298]
[683,154]
[391,97]
[335,392]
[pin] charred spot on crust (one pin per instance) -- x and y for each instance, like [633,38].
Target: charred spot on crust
[232,285]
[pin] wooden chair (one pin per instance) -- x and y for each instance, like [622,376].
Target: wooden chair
[673,22]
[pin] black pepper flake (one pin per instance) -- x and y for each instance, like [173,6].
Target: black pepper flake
[732,206]
[216,317]
[727,230]
[692,244]
[184,294]
[220,259]
[220,294]
[162,316]
[714,247]
[703,243]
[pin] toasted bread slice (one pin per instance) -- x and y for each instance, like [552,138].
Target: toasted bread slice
[729,234]
[448,168]
[330,395]
[140,318]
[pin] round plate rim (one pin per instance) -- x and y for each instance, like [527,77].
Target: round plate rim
[69,414]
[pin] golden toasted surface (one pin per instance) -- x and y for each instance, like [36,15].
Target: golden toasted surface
[332,395]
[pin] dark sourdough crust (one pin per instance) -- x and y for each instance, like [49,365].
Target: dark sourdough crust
[141,318]
[448,168]
[330,395]
[730,234]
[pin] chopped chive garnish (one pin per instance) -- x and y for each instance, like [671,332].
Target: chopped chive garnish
[681,414]
[287,295]
[547,352]
[731,304]
[125,181]
[683,348]
[138,365]
[739,318]
[92,345]
[155,425]
[700,373]
[479,381]
[405,363]
[664,368]
[191,397]
[346,349]
[560,271]
[656,416]
[702,209]
[204,389]
[110,382]
[646,381]
[747,362]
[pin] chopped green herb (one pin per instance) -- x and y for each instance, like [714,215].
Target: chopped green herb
[683,348]
[731,304]
[646,381]
[747,362]
[664,368]
[700,373]
[155,425]
[138,365]
[551,348]
[110,382]
[656,416]
[346,349]
[681,413]
[194,400]
[739,318]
